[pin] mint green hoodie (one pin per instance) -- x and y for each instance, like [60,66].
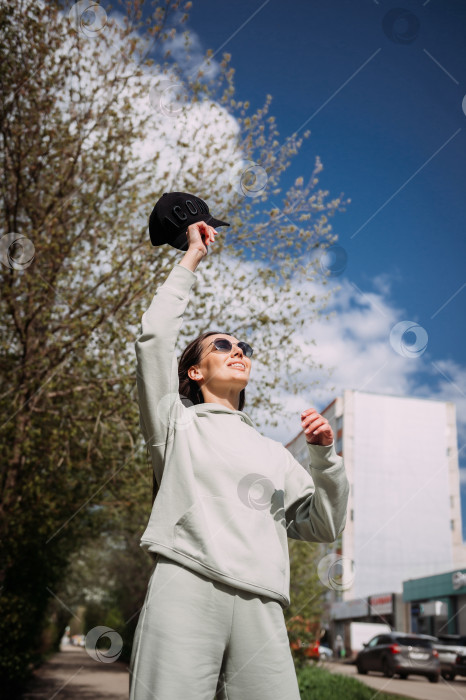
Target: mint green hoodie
[228,496]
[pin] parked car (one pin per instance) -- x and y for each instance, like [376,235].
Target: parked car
[459,669]
[319,652]
[400,653]
[312,650]
[449,647]
[325,653]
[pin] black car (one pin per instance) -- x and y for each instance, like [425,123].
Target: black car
[400,653]
[451,650]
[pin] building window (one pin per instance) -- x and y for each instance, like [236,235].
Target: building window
[448,451]
[339,422]
[352,514]
[452,501]
[452,524]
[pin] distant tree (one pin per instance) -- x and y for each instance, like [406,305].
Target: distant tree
[108,577]
[307,594]
[90,140]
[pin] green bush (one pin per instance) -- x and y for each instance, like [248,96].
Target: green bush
[315,682]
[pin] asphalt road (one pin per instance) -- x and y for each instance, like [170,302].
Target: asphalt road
[413,687]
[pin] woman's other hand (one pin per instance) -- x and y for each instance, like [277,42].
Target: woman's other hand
[316,428]
[199,236]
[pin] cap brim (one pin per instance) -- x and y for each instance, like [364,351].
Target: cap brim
[216,222]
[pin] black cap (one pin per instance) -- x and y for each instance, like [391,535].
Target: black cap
[173,213]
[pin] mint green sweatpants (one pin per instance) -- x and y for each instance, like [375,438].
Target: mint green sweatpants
[199,639]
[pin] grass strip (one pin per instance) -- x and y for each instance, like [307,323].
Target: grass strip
[315,682]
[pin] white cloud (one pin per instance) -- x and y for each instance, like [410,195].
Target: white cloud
[185,143]
[192,60]
[354,344]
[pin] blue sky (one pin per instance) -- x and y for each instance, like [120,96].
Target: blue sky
[382,93]
[372,136]
[382,88]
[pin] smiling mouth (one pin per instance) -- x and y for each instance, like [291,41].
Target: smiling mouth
[240,367]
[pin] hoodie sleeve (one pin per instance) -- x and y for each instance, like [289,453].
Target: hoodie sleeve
[316,500]
[157,365]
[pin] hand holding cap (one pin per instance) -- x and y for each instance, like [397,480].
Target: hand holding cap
[173,213]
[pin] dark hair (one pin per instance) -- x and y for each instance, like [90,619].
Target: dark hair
[188,389]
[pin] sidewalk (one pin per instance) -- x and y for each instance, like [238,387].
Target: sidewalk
[72,674]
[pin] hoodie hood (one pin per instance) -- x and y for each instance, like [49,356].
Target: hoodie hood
[203,409]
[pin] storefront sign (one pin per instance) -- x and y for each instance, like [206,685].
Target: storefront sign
[434,608]
[381,604]
[459,580]
[349,609]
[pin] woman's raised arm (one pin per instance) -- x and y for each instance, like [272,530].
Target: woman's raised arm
[157,366]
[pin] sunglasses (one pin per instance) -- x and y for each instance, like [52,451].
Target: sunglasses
[224,345]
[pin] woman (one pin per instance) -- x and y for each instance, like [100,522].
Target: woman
[212,622]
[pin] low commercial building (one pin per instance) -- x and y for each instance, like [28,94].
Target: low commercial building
[437,603]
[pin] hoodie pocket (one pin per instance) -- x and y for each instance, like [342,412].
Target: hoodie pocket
[232,538]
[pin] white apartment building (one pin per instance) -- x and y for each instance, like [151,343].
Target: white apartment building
[404,511]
